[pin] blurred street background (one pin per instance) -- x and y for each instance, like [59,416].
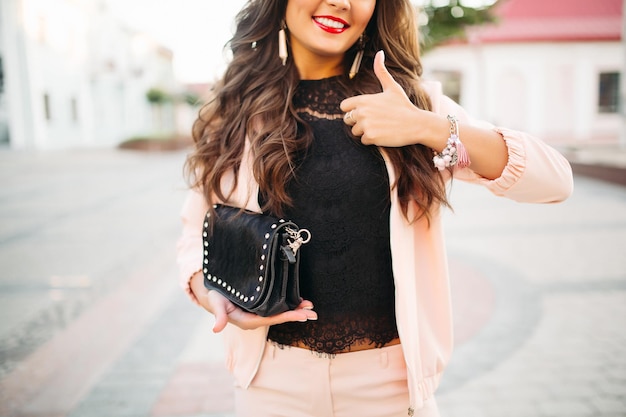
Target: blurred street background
[96,104]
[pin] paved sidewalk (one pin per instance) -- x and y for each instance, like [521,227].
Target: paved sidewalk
[555,344]
[94,325]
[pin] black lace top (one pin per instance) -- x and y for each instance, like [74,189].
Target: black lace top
[341,194]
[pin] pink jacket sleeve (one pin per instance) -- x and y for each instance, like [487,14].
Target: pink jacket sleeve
[535,172]
[189,246]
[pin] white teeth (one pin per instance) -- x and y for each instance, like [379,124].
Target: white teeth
[329,22]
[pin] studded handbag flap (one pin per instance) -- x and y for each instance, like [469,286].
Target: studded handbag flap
[253,259]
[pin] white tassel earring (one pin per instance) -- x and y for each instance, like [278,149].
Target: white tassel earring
[356,64]
[282,44]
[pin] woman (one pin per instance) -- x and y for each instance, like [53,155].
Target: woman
[321,116]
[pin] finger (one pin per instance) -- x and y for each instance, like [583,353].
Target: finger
[348,104]
[301,315]
[246,320]
[349,118]
[306,305]
[357,131]
[384,76]
[220,310]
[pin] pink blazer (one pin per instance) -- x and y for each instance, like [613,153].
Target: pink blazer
[535,173]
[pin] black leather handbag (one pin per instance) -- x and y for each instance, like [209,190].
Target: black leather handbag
[253,259]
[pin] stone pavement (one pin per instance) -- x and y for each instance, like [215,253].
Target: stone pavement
[92,322]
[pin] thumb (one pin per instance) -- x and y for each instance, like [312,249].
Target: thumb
[221,317]
[383,75]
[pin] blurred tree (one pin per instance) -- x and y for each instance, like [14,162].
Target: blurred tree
[443,22]
[157,96]
[191,99]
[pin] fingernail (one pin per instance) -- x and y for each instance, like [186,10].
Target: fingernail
[308,308]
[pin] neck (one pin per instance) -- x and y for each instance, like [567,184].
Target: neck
[315,67]
[318,70]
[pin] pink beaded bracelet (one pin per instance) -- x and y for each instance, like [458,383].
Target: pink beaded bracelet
[454,153]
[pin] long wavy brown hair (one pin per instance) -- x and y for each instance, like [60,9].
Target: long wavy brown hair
[253,101]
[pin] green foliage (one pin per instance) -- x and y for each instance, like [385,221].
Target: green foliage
[157,96]
[449,22]
[191,98]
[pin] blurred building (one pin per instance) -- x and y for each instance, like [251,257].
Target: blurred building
[552,68]
[73,75]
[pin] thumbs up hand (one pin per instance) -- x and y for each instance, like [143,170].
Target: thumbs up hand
[384,119]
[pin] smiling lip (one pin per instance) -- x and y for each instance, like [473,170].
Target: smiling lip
[331,24]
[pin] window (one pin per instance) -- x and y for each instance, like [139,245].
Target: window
[46,106]
[74,109]
[1,76]
[608,92]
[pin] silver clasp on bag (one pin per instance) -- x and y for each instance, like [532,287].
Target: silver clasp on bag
[297,238]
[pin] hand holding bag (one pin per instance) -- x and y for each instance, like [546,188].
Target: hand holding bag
[253,259]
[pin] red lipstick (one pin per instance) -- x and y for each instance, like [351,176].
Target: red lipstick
[331,24]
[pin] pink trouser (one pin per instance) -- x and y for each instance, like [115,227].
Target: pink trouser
[295,382]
